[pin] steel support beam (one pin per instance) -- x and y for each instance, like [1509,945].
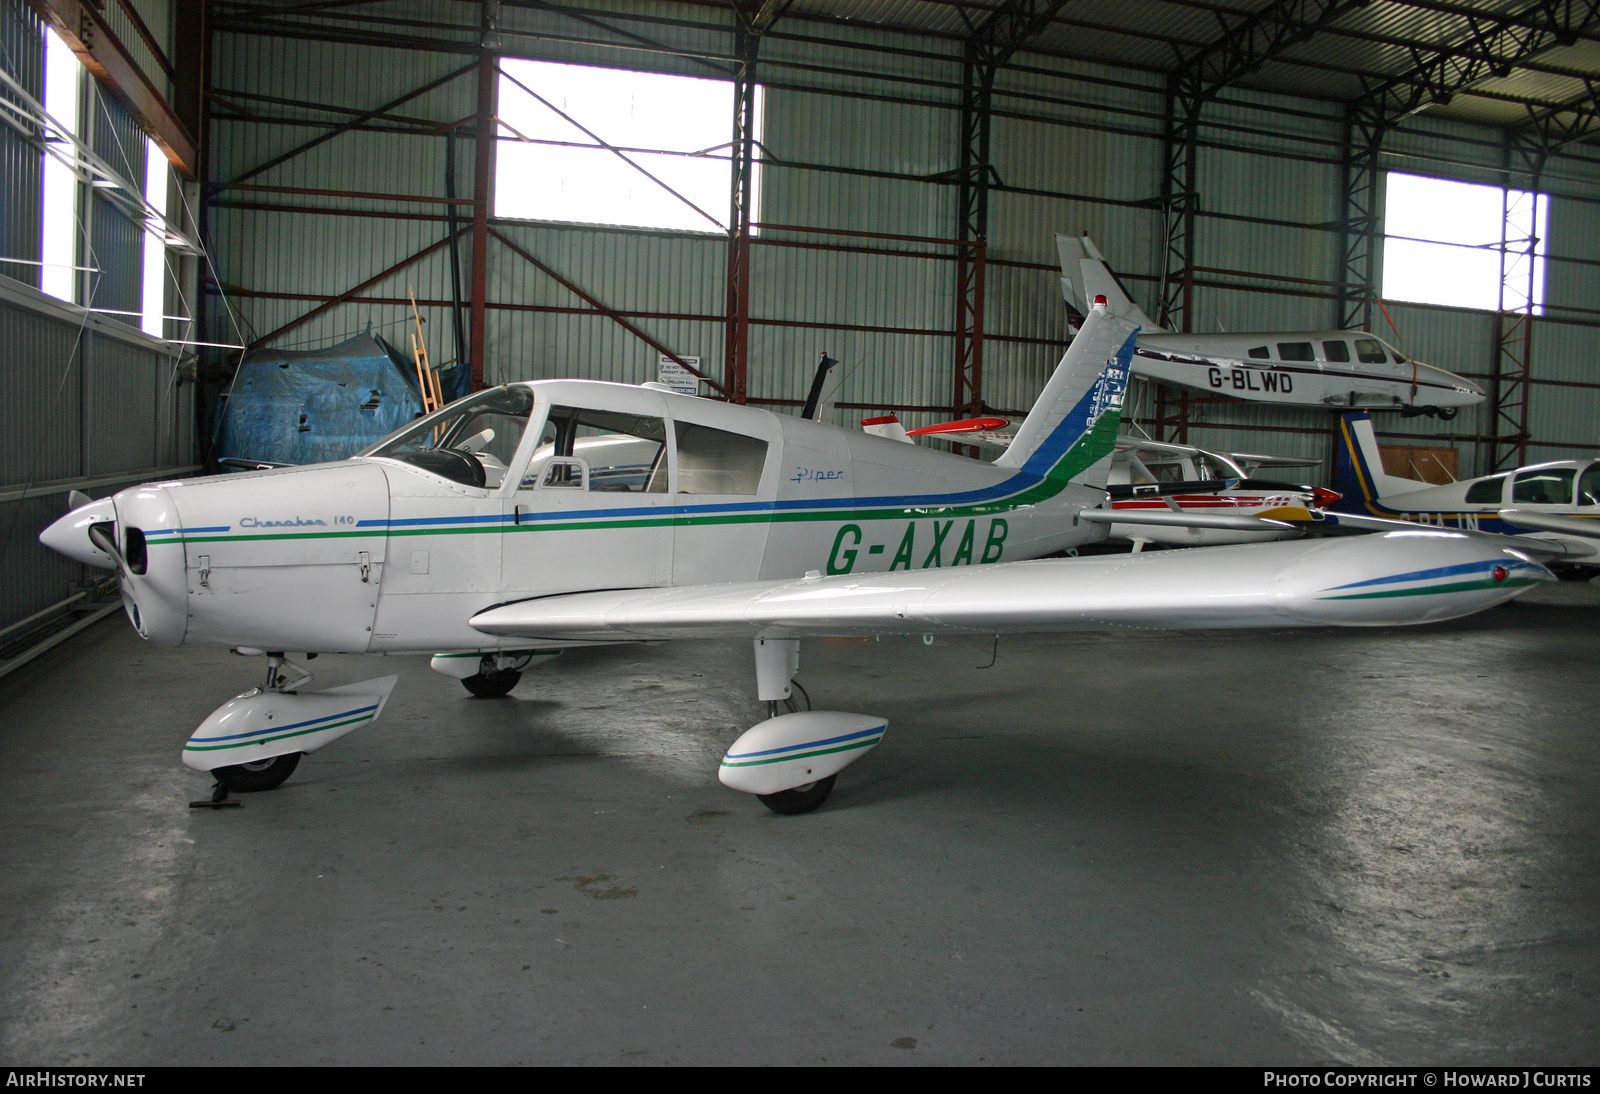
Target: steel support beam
[482,196]
[605,310]
[1511,375]
[87,33]
[348,294]
[989,45]
[742,149]
[1247,43]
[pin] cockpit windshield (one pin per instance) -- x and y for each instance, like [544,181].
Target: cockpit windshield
[471,441]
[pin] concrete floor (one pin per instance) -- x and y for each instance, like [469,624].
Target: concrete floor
[1360,847]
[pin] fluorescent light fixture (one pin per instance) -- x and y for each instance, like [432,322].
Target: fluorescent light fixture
[572,179]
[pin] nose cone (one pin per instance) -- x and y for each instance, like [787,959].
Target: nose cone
[1407,576]
[154,581]
[70,535]
[1452,390]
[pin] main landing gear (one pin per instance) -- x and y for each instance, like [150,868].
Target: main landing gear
[792,760]
[498,673]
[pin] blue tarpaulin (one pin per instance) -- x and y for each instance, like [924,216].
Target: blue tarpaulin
[319,405]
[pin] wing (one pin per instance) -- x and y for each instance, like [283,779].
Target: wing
[1388,578]
[1541,548]
[1588,527]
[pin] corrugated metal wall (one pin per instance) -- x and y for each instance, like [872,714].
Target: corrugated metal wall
[84,399]
[859,137]
[21,171]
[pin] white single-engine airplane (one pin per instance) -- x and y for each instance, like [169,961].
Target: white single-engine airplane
[555,513]
[1327,368]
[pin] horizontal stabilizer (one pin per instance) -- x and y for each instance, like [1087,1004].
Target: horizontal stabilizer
[1182,519]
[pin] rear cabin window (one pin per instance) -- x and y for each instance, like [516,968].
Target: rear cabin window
[1487,492]
[1549,487]
[1296,351]
[624,452]
[1261,353]
[714,461]
[1369,351]
[1589,485]
[1336,351]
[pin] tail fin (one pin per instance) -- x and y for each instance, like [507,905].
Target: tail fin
[1072,430]
[1358,467]
[1085,275]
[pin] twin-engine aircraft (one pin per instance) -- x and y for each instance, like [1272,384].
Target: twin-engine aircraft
[1326,368]
[1553,507]
[536,516]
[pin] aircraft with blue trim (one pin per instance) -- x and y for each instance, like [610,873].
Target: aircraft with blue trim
[537,516]
[1552,508]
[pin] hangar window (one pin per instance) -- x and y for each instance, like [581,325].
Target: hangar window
[63,91]
[1462,244]
[714,461]
[610,146]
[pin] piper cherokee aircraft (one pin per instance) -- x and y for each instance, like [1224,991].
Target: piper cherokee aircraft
[1506,503]
[480,535]
[1329,368]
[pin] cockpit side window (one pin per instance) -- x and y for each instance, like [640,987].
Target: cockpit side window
[1551,486]
[1369,351]
[625,453]
[1487,491]
[1589,485]
[714,461]
[470,441]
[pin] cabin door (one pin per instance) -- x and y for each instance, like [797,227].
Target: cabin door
[593,509]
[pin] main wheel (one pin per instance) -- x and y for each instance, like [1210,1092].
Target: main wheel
[261,775]
[492,683]
[800,799]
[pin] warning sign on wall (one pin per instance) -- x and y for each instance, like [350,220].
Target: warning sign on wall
[678,378]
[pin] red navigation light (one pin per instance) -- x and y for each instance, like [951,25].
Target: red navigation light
[1501,573]
[1100,301]
[1322,497]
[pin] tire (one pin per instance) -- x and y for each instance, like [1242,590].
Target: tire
[493,684]
[801,799]
[261,775]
